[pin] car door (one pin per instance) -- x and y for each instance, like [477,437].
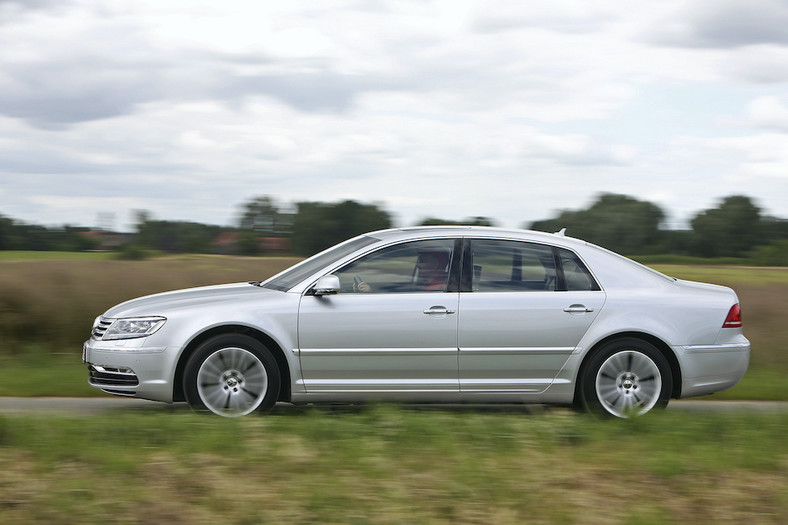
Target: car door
[391,328]
[520,316]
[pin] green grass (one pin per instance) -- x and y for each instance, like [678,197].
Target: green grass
[687,260]
[389,466]
[758,384]
[43,375]
[734,276]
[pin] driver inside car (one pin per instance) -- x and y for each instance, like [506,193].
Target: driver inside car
[430,273]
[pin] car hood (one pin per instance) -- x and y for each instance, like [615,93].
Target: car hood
[162,303]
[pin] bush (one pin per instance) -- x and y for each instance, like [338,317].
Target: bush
[775,254]
[132,252]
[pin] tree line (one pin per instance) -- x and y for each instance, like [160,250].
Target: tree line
[736,227]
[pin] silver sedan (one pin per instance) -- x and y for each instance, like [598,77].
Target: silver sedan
[440,314]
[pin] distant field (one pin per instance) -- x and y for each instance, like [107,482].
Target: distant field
[382,465]
[47,307]
[12,255]
[51,303]
[733,276]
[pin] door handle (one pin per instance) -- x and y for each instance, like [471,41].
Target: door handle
[438,310]
[578,309]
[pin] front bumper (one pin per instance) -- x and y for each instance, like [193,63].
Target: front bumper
[126,368]
[712,368]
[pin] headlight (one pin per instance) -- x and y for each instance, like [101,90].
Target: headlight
[133,327]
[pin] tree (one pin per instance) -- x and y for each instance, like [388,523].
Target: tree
[470,221]
[6,233]
[263,216]
[177,236]
[617,222]
[319,225]
[732,229]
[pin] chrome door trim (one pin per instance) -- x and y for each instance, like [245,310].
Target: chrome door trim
[377,351]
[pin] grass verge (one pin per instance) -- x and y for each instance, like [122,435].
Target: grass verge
[389,465]
[45,376]
[758,384]
[66,376]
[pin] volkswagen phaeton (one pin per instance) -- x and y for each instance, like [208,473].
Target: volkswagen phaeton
[432,315]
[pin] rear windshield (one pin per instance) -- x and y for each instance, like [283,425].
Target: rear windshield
[295,274]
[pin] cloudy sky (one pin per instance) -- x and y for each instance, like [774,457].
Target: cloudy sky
[511,110]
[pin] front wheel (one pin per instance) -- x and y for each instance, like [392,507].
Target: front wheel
[232,375]
[626,378]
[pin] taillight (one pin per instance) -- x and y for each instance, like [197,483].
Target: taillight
[734,318]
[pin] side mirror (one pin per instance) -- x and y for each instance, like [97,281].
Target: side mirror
[326,285]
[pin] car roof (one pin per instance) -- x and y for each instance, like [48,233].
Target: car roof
[474,231]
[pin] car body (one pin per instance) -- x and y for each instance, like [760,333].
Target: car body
[430,314]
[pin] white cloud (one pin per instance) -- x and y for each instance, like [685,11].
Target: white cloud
[447,109]
[768,112]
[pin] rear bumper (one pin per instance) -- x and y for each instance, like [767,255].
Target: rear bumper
[712,368]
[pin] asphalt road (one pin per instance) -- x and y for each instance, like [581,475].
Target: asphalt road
[107,405]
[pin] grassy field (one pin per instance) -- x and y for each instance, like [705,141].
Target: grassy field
[51,304]
[48,305]
[389,466]
[16,256]
[378,464]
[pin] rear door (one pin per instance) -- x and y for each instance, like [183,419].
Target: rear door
[520,317]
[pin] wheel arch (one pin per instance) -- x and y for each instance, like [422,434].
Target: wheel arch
[262,337]
[662,346]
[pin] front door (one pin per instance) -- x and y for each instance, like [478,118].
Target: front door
[391,329]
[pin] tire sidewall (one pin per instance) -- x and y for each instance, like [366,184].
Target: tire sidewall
[209,347]
[590,399]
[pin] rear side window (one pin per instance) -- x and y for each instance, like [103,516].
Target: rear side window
[511,266]
[576,275]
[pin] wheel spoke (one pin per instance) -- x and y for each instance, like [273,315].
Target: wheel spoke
[232,382]
[615,401]
[251,394]
[628,383]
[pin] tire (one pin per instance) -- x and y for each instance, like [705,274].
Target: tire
[626,378]
[231,375]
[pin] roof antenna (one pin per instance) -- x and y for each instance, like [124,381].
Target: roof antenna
[561,233]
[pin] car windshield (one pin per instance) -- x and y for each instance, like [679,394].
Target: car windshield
[295,274]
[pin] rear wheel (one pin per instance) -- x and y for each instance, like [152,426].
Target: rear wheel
[626,378]
[232,375]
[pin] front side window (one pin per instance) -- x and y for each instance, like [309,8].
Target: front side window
[419,266]
[511,266]
[292,276]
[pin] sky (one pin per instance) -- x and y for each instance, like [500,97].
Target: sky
[450,109]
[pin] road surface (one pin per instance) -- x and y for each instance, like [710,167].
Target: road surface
[108,405]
